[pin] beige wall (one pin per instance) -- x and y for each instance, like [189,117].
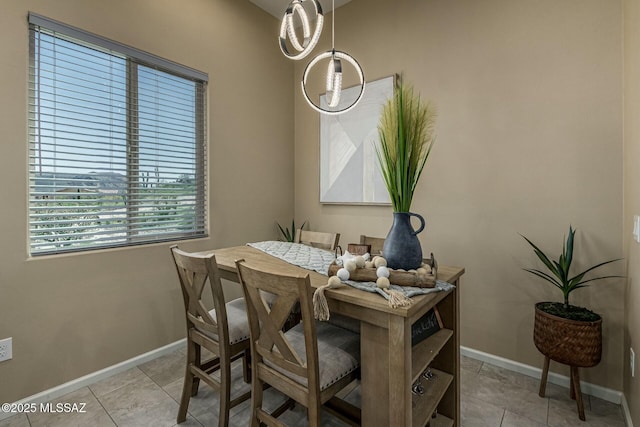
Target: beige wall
[632,199]
[73,315]
[529,140]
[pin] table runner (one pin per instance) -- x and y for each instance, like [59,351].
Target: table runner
[317,259]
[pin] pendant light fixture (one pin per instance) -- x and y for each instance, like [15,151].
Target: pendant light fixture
[334,76]
[288,28]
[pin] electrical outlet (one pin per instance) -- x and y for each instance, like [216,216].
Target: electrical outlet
[6,349]
[632,361]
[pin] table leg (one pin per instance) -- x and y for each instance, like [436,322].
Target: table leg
[386,374]
[399,372]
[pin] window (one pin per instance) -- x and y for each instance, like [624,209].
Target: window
[116,143]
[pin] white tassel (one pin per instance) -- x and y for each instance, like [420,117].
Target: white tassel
[398,299]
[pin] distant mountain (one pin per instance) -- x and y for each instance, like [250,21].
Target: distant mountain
[49,182]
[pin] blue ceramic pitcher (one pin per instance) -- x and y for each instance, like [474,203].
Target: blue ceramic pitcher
[401,247]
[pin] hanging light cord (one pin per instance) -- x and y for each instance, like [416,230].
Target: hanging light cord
[333,25]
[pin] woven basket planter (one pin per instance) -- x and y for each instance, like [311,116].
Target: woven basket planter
[572,342]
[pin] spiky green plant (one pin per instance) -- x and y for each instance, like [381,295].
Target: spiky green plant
[559,270]
[406,136]
[289,235]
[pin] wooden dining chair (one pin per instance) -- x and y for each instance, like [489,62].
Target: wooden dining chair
[376,244]
[318,239]
[224,331]
[289,361]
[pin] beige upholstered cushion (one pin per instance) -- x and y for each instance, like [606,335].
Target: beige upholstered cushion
[338,352]
[237,320]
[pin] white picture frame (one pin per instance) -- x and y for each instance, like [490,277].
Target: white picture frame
[349,168]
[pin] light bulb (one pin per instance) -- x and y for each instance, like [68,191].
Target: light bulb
[291,31]
[334,82]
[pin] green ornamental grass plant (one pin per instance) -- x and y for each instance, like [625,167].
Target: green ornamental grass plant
[406,132]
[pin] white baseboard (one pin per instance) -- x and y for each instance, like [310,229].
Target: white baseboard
[78,383]
[603,393]
[626,411]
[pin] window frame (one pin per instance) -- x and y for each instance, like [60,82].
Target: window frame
[135,59]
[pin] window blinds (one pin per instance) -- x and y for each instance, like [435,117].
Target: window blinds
[116,144]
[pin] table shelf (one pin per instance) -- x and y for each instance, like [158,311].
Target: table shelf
[425,405]
[440,353]
[423,353]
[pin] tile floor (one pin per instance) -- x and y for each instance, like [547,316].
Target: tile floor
[148,394]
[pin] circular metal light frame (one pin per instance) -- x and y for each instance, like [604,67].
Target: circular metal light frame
[339,55]
[286,28]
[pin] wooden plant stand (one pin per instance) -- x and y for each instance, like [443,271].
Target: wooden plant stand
[574,388]
[577,344]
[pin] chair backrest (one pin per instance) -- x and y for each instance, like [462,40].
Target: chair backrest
[317,239]
[194,272]
[376,244]
[268,341]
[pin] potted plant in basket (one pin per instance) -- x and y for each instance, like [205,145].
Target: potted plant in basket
[406,137]
[562,332]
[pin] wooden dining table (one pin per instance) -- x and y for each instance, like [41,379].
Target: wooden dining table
[390,365]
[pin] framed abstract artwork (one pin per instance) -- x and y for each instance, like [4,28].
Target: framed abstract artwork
[349,169]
